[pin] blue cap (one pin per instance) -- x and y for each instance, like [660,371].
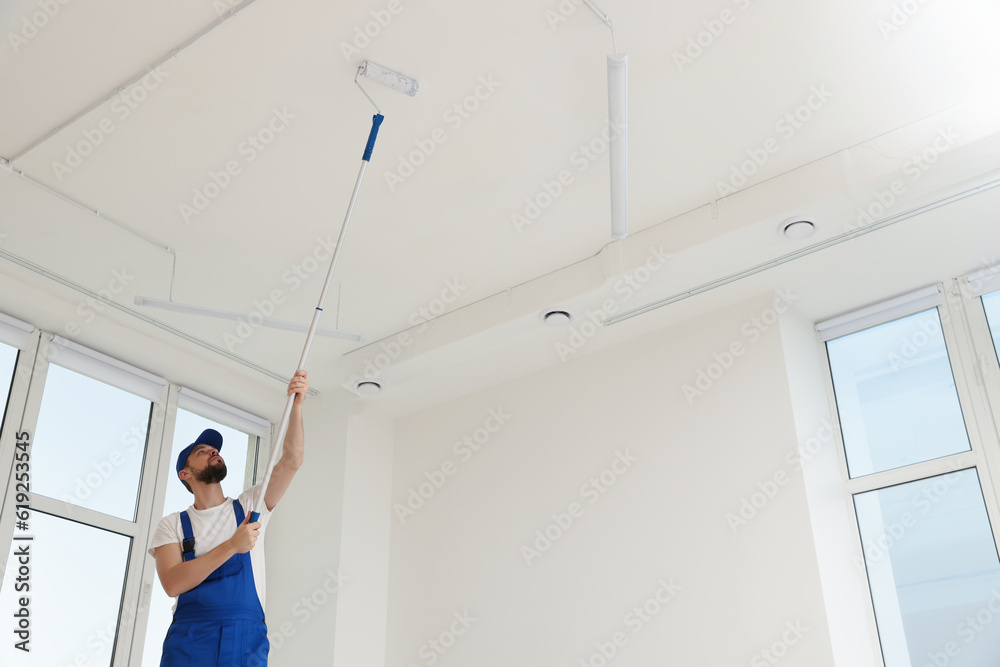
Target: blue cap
[209,437]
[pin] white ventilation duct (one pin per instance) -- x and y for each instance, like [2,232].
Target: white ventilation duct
[618,142]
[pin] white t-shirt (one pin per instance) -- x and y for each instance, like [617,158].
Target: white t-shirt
[214,526]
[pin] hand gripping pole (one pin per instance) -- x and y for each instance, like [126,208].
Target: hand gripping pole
[283,425]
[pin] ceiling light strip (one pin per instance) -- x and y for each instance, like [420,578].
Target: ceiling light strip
[188,309]
[792,256]
[55,277]
[618,142]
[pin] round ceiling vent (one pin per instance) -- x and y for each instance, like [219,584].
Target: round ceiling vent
[557,318]
[369,388]
[797,228]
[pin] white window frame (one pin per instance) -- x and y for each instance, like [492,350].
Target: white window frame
[12,424]
[36,348]
[977,382]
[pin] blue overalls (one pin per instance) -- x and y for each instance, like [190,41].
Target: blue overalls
[219,622]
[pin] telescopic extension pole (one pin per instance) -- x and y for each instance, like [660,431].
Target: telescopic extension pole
[278,442]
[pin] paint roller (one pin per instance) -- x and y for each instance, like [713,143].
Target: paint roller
[402,84]
[387,78]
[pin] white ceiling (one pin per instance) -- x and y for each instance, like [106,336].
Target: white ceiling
[888,96]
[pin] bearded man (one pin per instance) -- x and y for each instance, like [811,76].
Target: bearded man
[205,555]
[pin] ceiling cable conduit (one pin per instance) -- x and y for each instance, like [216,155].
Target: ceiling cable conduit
[89,209]
[10,163]
[170,55]
[66,282]
[100,216]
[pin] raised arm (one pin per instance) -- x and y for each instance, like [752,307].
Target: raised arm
[292,450]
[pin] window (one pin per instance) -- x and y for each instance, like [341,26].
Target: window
[98,448]
[76,592]
[933,567]
[90,443]
[8,360]
[88,448]
[896,395]
[991,305]
[917,447]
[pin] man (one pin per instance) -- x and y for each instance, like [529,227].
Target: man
[216,574]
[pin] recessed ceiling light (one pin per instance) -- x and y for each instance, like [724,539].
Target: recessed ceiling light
[797,228]
[369,388]
[557,318]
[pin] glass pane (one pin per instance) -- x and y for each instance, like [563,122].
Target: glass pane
[8,359]
[89,444]
[75,575]
[896,395]
[234,453]
[933,570]
[991,302]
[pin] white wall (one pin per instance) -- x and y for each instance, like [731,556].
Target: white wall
[664,519]
[364,557]
[304,540]
[328,545]
[838,550]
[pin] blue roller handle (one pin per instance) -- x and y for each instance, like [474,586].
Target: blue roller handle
[372,136]
[254,517]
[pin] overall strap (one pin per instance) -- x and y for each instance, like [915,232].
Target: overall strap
[239,511]
[187,546]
